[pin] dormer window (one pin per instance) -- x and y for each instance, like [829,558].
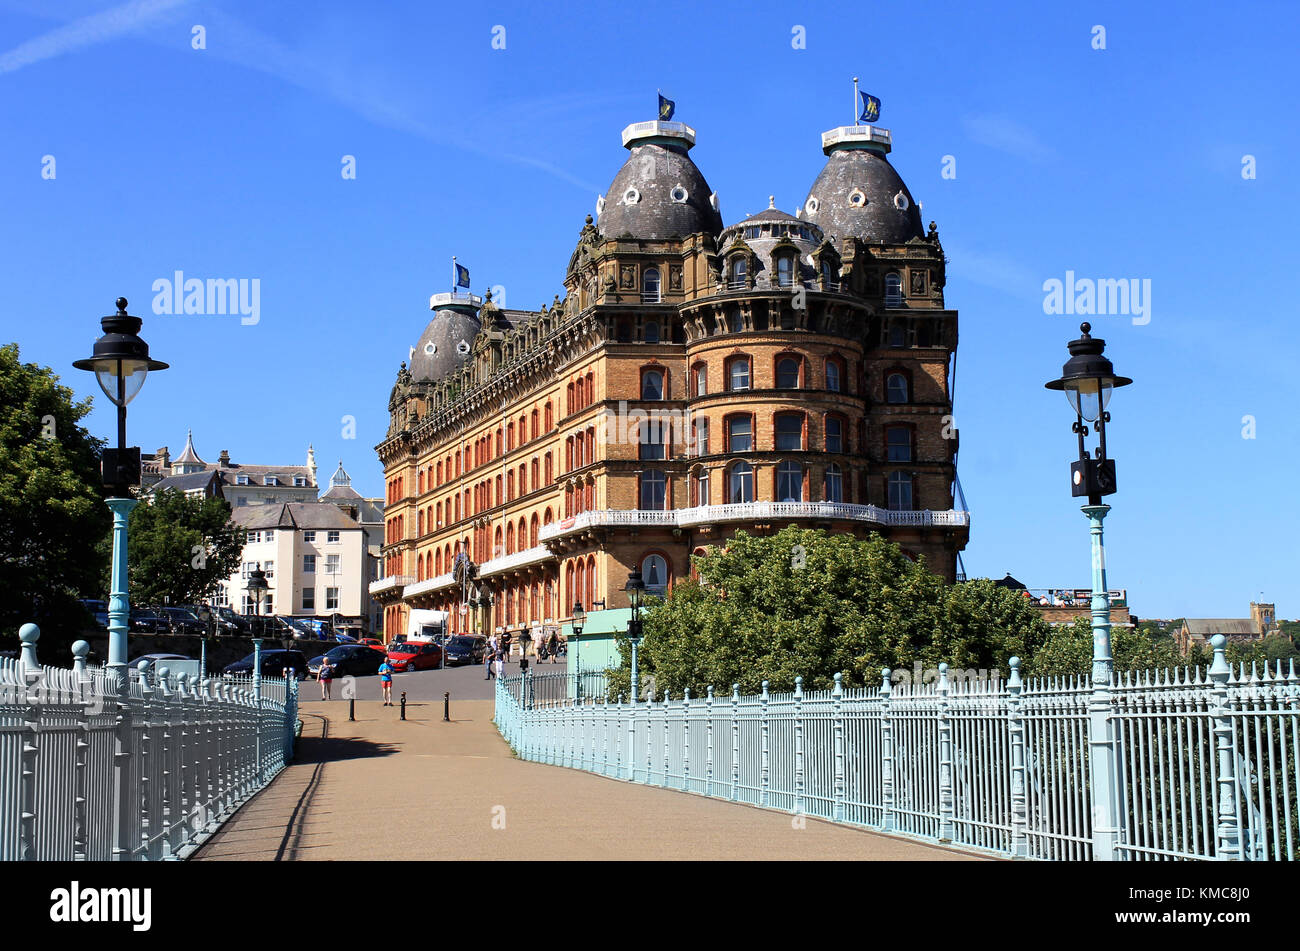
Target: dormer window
[784,271]
[241,480]
[738,279]
[270,480]
[300,481]
[893,290]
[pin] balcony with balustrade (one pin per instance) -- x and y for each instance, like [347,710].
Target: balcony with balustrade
[390,587]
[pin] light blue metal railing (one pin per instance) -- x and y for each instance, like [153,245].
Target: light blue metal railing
[1205,760]
[91,773]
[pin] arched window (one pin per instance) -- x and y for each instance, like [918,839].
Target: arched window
[591,581]
[532,431]
[787,373]
[497,550]
[896,388]
[834,375]
[784,271]
[550,417]
[893,290]
[532,531]
[650,286]
[652,384]
[830,277]
[510,539]
[510,437]
[789,431]
[548,469]
[740,483]
[654,574]
[833,484]
[740,434]
[789,482]
[898,443]
[701,487]
[738,278]
[900,491]
[653,490]
[700,379]
[738,373]
[701,436]
[419,523]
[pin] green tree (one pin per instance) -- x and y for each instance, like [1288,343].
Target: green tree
[180,548]
[1267,650]
[51,502]
[806,602]
[1068,650]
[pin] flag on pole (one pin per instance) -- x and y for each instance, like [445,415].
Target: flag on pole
[462,276]
[666,108]
[870,108]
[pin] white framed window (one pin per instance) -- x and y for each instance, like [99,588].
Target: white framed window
[654,570]
[270,480]
[893,290]
[900,491]
[268,567]
[222,598]
[331,599]
[309,564]
[241,480]
[269,535]
[309,536]
[784,271]
[254,537]
[331,536]
[650,286]
[299,481]
[247,569]
[268,603]
[789,482]
[834,484]
[741,483]
[653,494]
[332,564]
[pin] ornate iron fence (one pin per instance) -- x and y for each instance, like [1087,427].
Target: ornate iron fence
[1202,763]
[91,772]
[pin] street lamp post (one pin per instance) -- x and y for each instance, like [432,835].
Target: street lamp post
[257,591]
[120,361]
[1088,379]
[634,587]
[579,616]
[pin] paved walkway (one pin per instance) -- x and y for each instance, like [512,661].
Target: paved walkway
[380,788]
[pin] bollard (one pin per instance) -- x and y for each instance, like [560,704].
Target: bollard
[446,707]
[352,708]
[403,704]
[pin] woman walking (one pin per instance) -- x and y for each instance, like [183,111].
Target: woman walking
[325,675]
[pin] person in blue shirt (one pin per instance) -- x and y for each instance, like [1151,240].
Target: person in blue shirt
[386,681]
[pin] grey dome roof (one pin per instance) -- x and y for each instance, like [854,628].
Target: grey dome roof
[878,218]
[438,351]
[640,199]
[765,245]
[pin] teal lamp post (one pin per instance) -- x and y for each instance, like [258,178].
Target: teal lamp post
[634,587]
[579,617]
[120,362]
[1088,379]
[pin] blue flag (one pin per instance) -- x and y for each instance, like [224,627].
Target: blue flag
[666,108]
[870,108]
[462,276]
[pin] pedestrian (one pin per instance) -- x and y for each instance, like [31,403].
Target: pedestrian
[386,681]
[325,674]
[505,644]
[490,656]
[501,658]
[525,639]
[553,645]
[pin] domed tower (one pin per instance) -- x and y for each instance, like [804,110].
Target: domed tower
[658,194]
[448,338]
[858,193]
[773,248]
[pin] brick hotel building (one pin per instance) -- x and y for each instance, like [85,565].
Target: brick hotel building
[696,379]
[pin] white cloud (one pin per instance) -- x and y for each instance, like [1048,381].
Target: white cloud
[86,31]
[1008,135]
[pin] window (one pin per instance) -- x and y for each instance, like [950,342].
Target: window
[740,434]
[738,373]
[893,290]
[653,486]
[789,482]
[834,434]
[650,286]
[654,573]
[784,271]
[652,385]
[652,441]
[331,599]
[248,568]
[897,335]
[309,564]
[299,481]
[833,376]
[898,443]
[241,480]
[254,538]
[787,373]
[738,280]
[740,486]
[650,333]
[268,567]
[701,436]
[900,491]
[309,536]
[789,432]
[268,535]
[702,487]
[896,388]
[332,564]
[700,374]
[309,599]
[331,536]
[833,485]
[270,480]
[828,276]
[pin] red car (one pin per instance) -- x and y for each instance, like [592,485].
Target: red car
[374,642]
[415,655]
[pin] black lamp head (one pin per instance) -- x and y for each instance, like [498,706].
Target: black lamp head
[120,354]
[1088,377]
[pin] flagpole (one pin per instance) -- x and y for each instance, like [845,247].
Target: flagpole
[855,100]
[453,275]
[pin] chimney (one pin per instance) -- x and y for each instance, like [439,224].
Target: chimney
[164,457]
[223,460]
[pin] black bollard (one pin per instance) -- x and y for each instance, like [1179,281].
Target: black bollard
[446,707]
[352,708]
[403,704]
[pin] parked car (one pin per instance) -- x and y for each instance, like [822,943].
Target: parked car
[415,655]
[98,610]
[182,621]
[212,620]
[149,621]
[274,664]
[239,622]
[355,659]
[374,642]
[465,649]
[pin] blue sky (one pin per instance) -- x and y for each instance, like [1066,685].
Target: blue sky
[1125,162]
